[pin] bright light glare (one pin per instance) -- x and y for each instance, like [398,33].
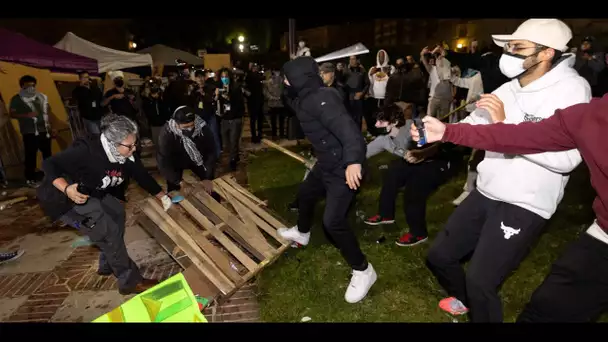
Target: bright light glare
[241,39]
[241,47]
[459,46]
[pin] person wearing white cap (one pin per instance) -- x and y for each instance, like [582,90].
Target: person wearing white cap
[516,194]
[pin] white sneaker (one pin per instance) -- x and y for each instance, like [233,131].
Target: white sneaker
[360,283]
[293,234]
[461,198]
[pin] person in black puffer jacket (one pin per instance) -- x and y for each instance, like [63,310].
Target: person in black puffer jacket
[340,150]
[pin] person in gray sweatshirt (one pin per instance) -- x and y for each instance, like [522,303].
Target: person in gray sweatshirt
[421,171]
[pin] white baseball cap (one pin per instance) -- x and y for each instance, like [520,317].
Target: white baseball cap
[551,33]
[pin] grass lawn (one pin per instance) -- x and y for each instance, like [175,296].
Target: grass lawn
[311,281]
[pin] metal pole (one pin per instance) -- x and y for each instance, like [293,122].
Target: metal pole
[292,36]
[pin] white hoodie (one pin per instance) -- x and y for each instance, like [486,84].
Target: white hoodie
[379,80]
[534,182]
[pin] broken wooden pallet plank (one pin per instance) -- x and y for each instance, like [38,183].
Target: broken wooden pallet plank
[232,181]
[252,239]
[164,241]
[219,236]
[214,253]
[259,211]
[155,212]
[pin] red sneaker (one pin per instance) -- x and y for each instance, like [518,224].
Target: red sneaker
[377,220]
[408,240]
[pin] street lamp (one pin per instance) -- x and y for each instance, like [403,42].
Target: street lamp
[459,46]
[241,47]
[241,38]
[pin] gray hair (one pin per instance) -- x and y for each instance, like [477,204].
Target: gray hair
[117,128]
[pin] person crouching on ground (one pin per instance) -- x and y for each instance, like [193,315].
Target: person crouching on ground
[186,142]
[340,149]
[421,171]
[82,188]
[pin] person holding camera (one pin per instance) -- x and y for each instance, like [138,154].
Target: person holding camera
[438,67]
[82,187]
[231,108]
[156,110]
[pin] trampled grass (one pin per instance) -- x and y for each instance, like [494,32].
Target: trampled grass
[311,281]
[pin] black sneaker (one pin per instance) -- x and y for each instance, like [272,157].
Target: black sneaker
[104,273]
[10,256]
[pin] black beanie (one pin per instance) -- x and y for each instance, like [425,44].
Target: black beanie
[184,114]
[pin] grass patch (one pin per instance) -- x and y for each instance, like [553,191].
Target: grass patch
[311,282]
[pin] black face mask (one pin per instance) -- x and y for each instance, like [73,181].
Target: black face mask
[119,83]
[291,92]
[188,132]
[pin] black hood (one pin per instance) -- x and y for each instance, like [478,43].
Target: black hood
[302,74]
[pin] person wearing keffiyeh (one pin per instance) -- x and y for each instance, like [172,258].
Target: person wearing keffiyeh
[31,109]
[186,142]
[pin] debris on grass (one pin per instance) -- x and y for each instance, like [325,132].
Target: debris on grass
[306,319]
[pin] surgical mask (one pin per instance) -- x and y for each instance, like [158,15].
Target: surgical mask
[225,81]
[119,83]
[512,66]
[29,92]
[301,44]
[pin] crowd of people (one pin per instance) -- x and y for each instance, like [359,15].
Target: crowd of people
[516,174]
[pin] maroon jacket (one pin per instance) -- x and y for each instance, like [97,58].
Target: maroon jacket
[582,126]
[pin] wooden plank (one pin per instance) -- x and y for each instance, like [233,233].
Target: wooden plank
[252,239]
[154,211]
[261,212]
[219,236]
[232,181]
[252,217]
[200,285]
[214,253]
[203,210]
[164,241]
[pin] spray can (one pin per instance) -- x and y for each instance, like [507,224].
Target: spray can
[420,126]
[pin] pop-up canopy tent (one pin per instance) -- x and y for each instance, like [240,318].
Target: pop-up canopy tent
[165,55]
[108,59]
[17,48]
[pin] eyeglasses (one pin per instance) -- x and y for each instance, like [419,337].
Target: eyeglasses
[130,147]
[514,49]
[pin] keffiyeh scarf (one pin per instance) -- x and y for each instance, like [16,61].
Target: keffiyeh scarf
[29,97]
[188,143]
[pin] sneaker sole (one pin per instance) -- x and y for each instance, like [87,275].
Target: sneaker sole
[379,223]
[19,255]
[410,244]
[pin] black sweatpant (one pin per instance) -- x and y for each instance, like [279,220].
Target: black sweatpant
[256,121]
[339,196]
[500,234]
[280,114]
[357,108]
[108,233]
[420,181]
[232,129]
[31,145]
[199,171]
[576,289]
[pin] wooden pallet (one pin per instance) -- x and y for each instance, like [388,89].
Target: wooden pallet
[221,246]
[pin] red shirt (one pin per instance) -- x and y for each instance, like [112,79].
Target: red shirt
[582,126]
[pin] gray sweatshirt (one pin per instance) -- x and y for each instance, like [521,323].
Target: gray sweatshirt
[397,145]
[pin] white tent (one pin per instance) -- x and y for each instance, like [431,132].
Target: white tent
[108,59]
[165,55]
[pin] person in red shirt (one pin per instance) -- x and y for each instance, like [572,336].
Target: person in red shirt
[576,289]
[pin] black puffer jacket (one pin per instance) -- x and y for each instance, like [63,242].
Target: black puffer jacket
[335,138]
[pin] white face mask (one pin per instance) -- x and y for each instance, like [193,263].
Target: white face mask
[301,44]
[511,66]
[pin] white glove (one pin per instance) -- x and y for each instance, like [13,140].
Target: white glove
[166,200]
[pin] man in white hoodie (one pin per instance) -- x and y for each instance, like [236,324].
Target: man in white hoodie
[438,67]
[515,194]
[378,77]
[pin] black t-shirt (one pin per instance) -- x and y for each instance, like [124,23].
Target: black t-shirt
[89,102]
[122,106]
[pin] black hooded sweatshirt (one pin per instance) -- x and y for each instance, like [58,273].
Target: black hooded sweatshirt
[85,162]
[335,138]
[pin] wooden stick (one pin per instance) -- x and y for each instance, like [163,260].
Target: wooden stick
[293,155]
[6,203]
